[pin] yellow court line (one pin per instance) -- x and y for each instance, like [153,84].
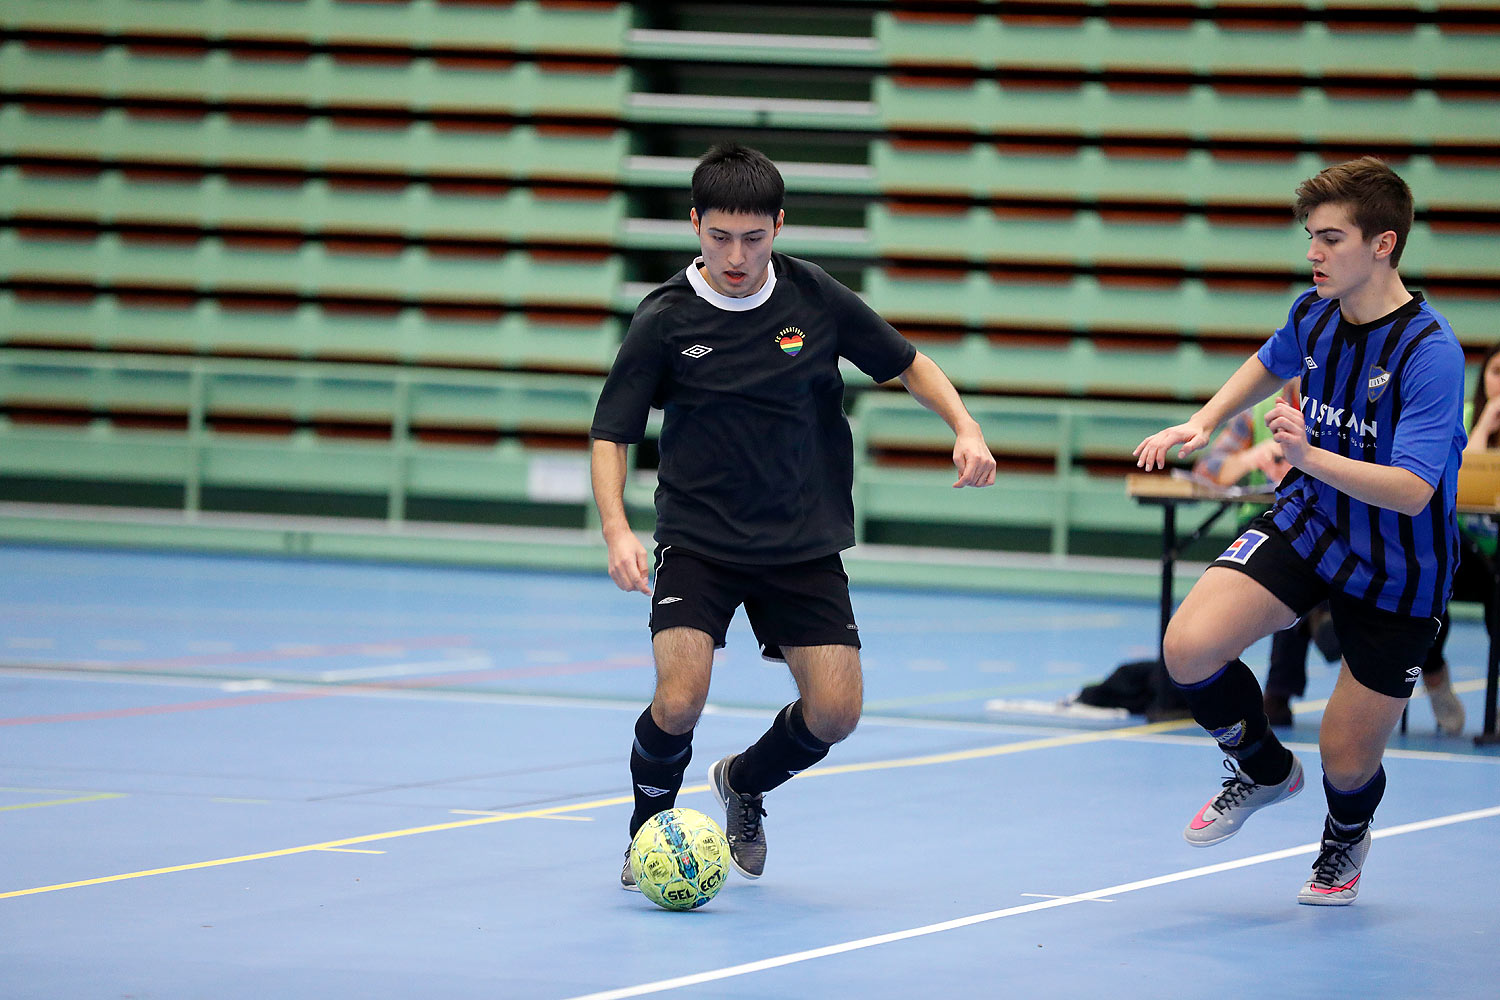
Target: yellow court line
[978,753]
[1071,739]
[1459,687]
[99,796]
[326,845]
[352,850]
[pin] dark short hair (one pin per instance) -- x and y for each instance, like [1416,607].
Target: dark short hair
[734,178]
[1377,198]
[1480,398]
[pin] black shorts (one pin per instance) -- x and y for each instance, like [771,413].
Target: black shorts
[791,604]
[1384,650]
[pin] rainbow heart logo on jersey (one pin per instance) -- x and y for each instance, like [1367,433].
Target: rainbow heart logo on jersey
[790,341]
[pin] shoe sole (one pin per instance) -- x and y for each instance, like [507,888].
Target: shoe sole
[713,782]
[1292,794]
[1325,900]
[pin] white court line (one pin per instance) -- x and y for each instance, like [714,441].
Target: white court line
[402,669]
[662,985]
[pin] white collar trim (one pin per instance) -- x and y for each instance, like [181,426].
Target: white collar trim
[728,302]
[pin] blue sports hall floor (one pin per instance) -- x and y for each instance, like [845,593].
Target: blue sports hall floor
[227,777]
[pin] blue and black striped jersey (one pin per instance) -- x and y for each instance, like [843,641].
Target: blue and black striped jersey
[1389,392]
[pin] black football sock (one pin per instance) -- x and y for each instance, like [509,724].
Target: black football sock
[1231,707]
[1349,813]
[786,748]
[657,762]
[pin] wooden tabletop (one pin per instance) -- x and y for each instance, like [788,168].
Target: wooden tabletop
[1159,486]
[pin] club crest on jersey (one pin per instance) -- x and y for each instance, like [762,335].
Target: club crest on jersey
[1240,549]
[790,341]
[1379,379]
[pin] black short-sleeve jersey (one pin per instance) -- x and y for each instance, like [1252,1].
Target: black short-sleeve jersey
[757,462]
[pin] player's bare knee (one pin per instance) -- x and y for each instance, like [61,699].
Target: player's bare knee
[1188,658]
[676,709]
[833,720]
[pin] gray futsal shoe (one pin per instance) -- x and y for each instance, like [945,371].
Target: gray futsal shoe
[1335,875]
[1224,814]
[742,826]
[627,877]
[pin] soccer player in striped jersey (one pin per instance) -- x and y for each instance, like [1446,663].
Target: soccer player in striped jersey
[1372,429]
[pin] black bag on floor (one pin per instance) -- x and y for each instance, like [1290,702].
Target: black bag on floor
[1129,687]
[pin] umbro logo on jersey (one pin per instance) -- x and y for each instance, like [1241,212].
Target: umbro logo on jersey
[653,792]
[1311,364]
[697,351]
[668,600]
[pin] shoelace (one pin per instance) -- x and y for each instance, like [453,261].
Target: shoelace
[1332,861]
[751,811]
[1235,788]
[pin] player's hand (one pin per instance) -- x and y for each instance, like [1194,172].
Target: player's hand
[628,563]
[1266,457]
[976,466]
[1152,452]
[1486,426]
[1287,426]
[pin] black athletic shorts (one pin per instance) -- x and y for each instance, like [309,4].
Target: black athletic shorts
[1384,650]
[791,604]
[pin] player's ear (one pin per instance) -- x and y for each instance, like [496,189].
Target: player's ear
[693,217]
[780,218]
[1385,244]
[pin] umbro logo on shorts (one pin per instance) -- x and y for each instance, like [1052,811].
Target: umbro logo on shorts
[1412,673]
[697,351]
[668,600]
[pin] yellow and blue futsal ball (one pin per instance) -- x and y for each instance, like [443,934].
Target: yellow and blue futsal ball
[679,859]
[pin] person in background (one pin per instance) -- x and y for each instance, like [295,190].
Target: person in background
[1474,579]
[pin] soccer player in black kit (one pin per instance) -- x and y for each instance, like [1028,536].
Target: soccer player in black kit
[754,499]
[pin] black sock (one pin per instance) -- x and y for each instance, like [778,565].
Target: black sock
[1231,707]
[657,761]
[786,748]
[1349,813]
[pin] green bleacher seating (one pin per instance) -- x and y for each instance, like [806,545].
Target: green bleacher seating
[413,210]
[1199,111]
[1097,43]
[315,142]
[1088,237]
[184,324]
[1066,500]
[289,266]
[205,412]
[525,26]
[320,80]
[1174,176]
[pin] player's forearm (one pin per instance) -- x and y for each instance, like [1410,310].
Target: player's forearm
[607,468]
[930,387]
[1250,384]
[1378,485]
